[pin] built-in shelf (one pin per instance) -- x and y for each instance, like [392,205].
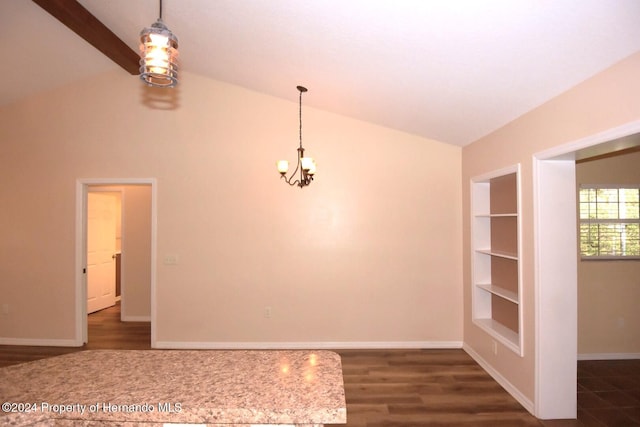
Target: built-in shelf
[488,251]
[501,292]
[488,215]
[508,337]
[496,276]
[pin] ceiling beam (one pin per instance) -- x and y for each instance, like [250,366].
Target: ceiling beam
[620,152]
[83,23]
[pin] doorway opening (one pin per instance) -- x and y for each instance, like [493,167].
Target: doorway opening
[132,240]
[555,242]
[104,246]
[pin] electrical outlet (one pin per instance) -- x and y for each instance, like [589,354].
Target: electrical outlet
[495,347]
[5,308]
[267,312]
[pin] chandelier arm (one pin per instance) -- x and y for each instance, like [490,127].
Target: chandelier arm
[288,180]
[293,174]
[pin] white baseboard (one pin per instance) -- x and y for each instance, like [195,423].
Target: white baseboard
[511,389]
[608,356]
[136,318]
[40,342]
[332,345]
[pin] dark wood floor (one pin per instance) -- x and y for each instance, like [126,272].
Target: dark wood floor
[106,331]
[388,388]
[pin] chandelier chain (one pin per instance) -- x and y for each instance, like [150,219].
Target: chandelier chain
[300,117]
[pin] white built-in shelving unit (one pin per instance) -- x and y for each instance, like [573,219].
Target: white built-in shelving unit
[496,264]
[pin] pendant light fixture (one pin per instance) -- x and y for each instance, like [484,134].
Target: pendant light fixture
[305,165]
[158,55]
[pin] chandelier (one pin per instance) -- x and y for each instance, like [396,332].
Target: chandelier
[306,166]
[158,55]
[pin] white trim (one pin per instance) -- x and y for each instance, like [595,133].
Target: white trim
[275,345]
[81,290]
[585,186]
[45,342]
[154,252]
[555,288]
[542,285]
[511,389]
[497,173]
[608,356]
[136,318]
[82,186]
[561,151]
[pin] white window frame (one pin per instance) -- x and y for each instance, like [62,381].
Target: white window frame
[605,221]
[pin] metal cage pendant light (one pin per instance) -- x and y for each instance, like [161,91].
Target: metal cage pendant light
[306,166]
[158,55]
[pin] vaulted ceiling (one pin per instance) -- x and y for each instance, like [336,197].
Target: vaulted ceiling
[449,70]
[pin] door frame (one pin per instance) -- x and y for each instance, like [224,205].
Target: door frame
[556,283]
[82,189]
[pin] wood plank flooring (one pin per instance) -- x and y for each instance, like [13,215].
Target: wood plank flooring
[383,388]
[106,331]
[425,388]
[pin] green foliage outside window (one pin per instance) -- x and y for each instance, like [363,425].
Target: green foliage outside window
[609,222]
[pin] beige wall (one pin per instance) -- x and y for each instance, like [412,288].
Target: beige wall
[136,253]
[605,101]
[609,291]
[370,252]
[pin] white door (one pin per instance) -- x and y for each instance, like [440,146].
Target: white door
[101,249]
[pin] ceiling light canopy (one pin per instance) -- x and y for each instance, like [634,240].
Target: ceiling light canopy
[158,55]
[306,165]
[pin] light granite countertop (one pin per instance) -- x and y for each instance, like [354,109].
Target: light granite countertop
[146,387]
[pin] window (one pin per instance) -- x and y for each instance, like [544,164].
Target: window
[609,221]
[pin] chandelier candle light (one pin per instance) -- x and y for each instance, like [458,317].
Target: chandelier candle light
[158,55]
[306,165]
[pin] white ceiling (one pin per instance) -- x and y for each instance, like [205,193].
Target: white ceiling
[450,70]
